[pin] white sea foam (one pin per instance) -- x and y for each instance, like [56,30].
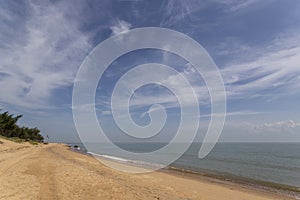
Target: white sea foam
[123,160]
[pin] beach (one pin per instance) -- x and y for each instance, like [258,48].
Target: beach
[53,171]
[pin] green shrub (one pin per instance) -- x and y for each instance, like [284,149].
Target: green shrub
[10,129]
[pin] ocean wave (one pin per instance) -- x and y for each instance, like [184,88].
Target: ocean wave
[128,161]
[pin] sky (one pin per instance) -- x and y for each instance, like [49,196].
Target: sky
[255,44]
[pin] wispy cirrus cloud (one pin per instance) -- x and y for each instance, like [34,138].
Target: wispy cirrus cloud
[273,67]
[44,58]
[254,72]
[236,5]
[237,113]
[175,12]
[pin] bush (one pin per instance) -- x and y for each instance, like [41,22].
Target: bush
[10,129]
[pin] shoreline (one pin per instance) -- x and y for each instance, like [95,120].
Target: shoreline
[53,171]
[263,187]
[260,186]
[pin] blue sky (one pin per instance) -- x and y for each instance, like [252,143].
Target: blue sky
[255,44]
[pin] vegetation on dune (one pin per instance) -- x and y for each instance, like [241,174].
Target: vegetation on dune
[10,129]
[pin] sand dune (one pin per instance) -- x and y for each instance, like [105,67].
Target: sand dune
[54,172]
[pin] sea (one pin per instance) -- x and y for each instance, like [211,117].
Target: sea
[267,164]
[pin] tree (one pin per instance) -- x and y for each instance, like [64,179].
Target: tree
[9,128]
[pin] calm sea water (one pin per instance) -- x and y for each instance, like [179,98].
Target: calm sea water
[271,162]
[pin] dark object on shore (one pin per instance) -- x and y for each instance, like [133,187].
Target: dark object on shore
[76,147]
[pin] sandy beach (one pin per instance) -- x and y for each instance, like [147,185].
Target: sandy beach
[54,172]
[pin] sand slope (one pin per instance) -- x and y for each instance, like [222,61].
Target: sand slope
[54,172]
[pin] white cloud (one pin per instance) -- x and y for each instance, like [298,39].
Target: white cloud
[236,5]
[157,96]
[106,112]
[238,113]
[120,27]
[175,11]
[45,58]
[271,70]
[282,124]
[274,67]
[282,127]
